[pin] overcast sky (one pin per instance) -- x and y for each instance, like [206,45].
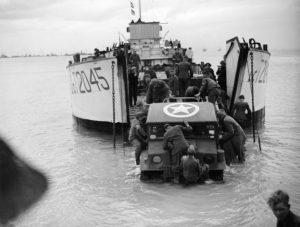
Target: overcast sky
[68,26]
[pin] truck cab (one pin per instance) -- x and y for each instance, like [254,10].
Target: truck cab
[155,161]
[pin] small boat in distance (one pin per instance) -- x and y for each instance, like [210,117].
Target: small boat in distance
[99,83]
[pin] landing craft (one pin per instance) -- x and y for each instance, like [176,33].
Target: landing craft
[247,67]
[99,84]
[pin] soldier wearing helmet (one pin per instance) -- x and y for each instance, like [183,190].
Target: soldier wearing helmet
[192,170]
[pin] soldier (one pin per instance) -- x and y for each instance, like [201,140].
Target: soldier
[137,135]
[207,66]
[191,91]
[133,85]
[184,73]
[239,112]
[189,54]
[221,72]
[209,87]
[192,171]
[177,56]
[279,203]
[152,73]
[175,142]
[173,83]
[96,52]
[135,60]
[146,81]
[233,139]
[157,91]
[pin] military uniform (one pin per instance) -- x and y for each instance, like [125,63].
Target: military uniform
[133,86]
[192,170]
[291,220]
[177,57]
[211,88]
[221,72]
[135,60]
[238,113]
[233,139]
[184,72]
[158,90]
[137,137]
[175,141]
[174,85]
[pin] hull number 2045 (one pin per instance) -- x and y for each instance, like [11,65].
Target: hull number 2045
[86,82]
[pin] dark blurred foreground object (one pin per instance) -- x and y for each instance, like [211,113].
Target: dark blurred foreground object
[20,184]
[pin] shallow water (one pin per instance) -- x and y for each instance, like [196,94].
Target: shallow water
[92,184]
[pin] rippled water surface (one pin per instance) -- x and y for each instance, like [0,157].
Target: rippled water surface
[92,184]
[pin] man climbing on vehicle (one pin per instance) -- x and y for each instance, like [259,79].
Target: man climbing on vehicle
[175,142]
[209,88]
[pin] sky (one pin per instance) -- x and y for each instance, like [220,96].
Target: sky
[69,26]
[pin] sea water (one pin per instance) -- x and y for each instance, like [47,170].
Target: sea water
[93,184]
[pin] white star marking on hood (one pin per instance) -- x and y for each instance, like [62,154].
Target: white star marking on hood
[181,108]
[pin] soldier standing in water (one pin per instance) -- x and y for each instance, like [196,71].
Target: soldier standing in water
[239,112]
[233,139]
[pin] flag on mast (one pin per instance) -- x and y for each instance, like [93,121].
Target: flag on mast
[132,8]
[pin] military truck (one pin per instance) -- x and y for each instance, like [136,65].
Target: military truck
[155,161]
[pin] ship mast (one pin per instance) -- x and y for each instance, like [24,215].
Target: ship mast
[140,11]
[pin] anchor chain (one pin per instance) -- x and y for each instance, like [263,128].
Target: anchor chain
[251,58]
[252,90]
[253,108]
[113,102]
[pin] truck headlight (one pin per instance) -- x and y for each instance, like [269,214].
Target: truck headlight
[156,159]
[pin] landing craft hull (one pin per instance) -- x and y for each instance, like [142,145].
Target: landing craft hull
[91,83]
[239,67]
[92,93]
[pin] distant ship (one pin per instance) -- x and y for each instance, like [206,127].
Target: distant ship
[99,84]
